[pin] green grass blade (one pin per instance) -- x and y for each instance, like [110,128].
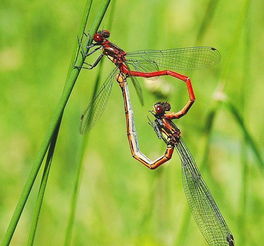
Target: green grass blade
[69,84]
[43,185]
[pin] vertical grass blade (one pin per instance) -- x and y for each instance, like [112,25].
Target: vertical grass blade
[69,85]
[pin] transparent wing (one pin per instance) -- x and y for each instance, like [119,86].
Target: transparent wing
[202,204]
[178,59]
[141,63]
[97,104]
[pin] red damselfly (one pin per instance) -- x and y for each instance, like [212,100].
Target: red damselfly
[146,64]
[203,206]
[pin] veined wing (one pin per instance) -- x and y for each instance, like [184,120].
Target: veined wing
[202,204]
[141,63]
[97,103]
[178,59]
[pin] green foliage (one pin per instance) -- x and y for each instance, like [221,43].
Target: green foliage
[97,193]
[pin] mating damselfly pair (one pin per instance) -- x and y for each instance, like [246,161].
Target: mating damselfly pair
[148,64]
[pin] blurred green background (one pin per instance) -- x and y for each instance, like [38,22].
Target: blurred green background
[121,202]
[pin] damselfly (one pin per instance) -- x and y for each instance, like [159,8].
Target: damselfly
[144,63]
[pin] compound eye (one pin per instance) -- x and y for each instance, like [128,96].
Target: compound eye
[106,34]
[98,38]
[167,106]
[159,109]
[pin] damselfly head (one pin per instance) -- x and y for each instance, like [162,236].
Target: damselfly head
[100,36]
[161,107]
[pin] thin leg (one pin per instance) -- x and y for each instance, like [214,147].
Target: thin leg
[184,78]
[80,48]
[89,65]
[90,46]
[97,60]
[84,54]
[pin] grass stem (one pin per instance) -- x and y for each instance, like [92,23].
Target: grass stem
[69,85]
